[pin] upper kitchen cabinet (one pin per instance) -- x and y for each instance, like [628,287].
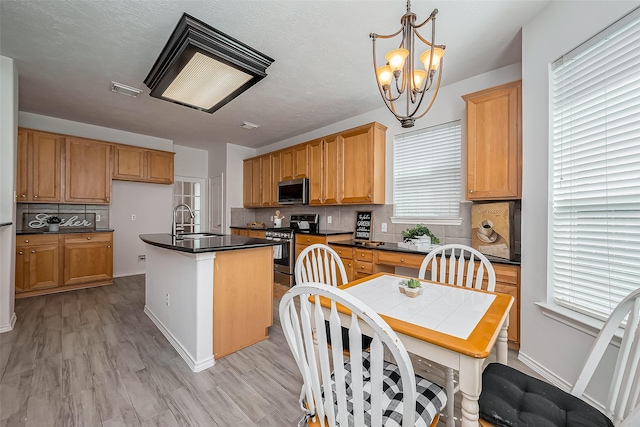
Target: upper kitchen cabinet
[494,143]
[316,190]
[252,175]
[87,171]
[142,165]
[361,165]
[39,162]
[266,181]
[294,162]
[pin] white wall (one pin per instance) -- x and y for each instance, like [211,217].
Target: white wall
[8,135]
[192,162]
[150,202]
[448,106]
[561,26]
[234,178]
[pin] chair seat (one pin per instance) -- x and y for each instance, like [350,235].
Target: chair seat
[512,398]
[366,340]
[431,398]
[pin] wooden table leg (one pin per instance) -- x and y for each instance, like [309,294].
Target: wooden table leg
[470,380]
[502,348]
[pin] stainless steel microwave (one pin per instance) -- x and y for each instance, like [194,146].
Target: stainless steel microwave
[293,192]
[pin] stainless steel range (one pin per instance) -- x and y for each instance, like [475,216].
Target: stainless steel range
[283,255]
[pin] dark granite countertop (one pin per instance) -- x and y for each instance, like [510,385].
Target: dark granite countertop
[217,243]
[316,233]
[393,247]
[4,224]
[65,231]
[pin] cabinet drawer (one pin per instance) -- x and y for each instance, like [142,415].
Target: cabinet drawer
[256,233]
[87,237]
[507,273]
[36,239]
[399,259]
[363,255]
[306,239]
[345,253]
[363,267]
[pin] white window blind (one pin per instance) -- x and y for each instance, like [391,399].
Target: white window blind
[426,172]
[595,170]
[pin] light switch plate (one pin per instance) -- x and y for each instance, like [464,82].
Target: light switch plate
[383,227]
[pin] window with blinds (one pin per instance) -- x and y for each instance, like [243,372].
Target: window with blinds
[426,173]
[594,238]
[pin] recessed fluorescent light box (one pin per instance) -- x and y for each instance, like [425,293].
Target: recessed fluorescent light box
[203,68]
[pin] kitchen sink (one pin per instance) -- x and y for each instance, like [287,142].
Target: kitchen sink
[197,235]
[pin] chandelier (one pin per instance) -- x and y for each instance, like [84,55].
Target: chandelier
[399,82]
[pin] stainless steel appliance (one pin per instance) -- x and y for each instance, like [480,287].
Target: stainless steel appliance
[305,223]
[283,255]
[293,192]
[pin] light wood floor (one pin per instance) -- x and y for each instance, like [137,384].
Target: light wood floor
[93,358]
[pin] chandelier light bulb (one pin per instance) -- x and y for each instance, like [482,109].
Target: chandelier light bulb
[418,78]
[438,53]
[384,75]
[396,58]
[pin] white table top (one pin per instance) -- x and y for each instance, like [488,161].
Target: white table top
[449,310]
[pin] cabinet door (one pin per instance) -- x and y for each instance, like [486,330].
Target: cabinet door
[315,173]
[88,171]
[266,180]
[129,163]
[247,183]
[22,167]
[45,167]
[286,164]
[275,177]
[22,270]
[160,167]
[256,182]
[513,332]
[44,266]
[301,161]
[348,266]
[494,159]
[357,155]
[88,260]
[332,164]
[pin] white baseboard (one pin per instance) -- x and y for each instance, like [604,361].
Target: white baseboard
[9,327]
[556,380]
[196,366]
[131,273]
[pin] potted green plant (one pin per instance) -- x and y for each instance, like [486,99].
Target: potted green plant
[418,231]
[411,287]
[54,223]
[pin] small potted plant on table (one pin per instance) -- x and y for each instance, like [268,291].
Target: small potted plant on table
[54,223]
[411,288]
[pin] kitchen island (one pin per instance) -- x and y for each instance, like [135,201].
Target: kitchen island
[210,295]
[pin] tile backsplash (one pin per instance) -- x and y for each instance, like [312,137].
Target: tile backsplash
[101,212]
[344,219]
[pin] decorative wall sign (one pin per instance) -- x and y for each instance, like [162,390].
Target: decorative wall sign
[79,220]
[492,231]
[364,221]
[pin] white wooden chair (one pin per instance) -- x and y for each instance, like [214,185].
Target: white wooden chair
[447,265]
[503,398]
[364,389]
[320,263]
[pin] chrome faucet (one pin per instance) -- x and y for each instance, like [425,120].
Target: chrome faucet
[173,225]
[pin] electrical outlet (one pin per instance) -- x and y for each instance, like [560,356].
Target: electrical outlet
[97,217]
[271,218]
[329,219]
[142,258]
[383,227]
[167,297]
[133,217]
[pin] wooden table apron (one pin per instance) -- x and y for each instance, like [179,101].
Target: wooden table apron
[465,356]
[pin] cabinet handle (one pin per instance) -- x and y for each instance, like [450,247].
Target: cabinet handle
[20,253]
[89,238]
[369,196]
[35,197]
[108,246]
[33,252]
[362,267]
[26,240]
[470,191]
[401,259]
[308,240]
[362,255]
[24,195]
[347,264]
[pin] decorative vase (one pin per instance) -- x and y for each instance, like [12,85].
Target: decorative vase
[54,227]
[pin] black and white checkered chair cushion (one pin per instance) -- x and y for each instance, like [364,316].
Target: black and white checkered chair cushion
[431,398]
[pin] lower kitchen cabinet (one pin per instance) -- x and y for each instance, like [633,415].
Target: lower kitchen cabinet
[37,263]
[239,232]
[305,240]
[88,258]
[49,263]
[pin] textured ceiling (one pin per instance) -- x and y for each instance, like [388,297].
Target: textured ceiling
[68,51]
